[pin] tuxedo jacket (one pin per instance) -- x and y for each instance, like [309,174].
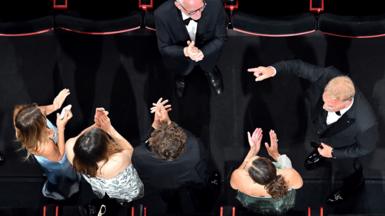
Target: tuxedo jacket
[172,36]
[355,134]
[158,174]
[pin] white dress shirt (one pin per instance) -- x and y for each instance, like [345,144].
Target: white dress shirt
[191,27]
[333,117]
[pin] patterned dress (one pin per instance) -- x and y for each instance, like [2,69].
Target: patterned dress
[124,187]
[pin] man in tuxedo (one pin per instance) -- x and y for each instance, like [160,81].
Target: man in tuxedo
[191,34]
[342,123]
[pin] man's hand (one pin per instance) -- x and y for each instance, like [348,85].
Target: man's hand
[60,98]
[272,150]
[262,73]
[255,140]
[325,150]
[193,52]
[160,110]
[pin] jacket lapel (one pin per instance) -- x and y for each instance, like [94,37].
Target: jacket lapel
[202,22]
[180,24]
[344,122]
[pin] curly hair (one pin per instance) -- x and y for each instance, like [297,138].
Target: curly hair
[29,123]
[168,141]
[263,172]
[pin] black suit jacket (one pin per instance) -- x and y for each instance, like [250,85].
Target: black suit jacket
[158,174]
[355,134]
[173,36]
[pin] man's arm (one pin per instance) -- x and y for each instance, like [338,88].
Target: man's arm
[216,44]
[295,67]
[303,70]
[164,40]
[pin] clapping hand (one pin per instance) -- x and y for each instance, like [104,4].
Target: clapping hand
[272,149]
[61,122]
[60,98]
[160,110]
[193,52]
[102,120]
[262,73]
[255,140]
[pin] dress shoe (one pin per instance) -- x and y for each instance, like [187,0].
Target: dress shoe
[314,160]
[180,86]
[2,158]
[336,198]
[215,80]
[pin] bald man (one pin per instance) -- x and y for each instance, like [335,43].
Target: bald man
[191,34]
[343,126]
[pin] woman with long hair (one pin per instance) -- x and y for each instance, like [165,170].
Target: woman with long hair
[264,186]
[103,157]
[46,143]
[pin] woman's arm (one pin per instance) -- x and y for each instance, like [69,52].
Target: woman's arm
[56,104]
[104,122]
[255,145]
[293,178]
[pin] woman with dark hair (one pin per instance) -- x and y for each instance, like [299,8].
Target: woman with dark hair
[103,156]
[264,186]
[40,138]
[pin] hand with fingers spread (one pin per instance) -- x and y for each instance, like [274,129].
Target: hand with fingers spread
[160,110]
[262,73]
[255,140]
[272,149]
[60,98]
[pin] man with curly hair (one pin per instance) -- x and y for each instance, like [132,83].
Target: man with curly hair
[172,157]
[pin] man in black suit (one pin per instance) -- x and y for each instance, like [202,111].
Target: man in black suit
[191,33]
[342,122]
[172,157]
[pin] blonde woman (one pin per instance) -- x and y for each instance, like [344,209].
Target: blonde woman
[46,143]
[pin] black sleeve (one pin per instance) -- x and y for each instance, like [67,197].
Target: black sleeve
[366,142]
[304,70]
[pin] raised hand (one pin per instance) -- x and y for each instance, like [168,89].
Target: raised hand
[60,98]
[255,140]
[102,120]
[272,149]
[262,73]
[160,110]
[62,122]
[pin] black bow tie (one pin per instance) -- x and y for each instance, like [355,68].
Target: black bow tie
[187,21]
[338,113]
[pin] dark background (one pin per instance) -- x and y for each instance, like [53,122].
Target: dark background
[124,74]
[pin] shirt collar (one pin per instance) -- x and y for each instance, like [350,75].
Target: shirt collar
[343,111]
[185,16]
